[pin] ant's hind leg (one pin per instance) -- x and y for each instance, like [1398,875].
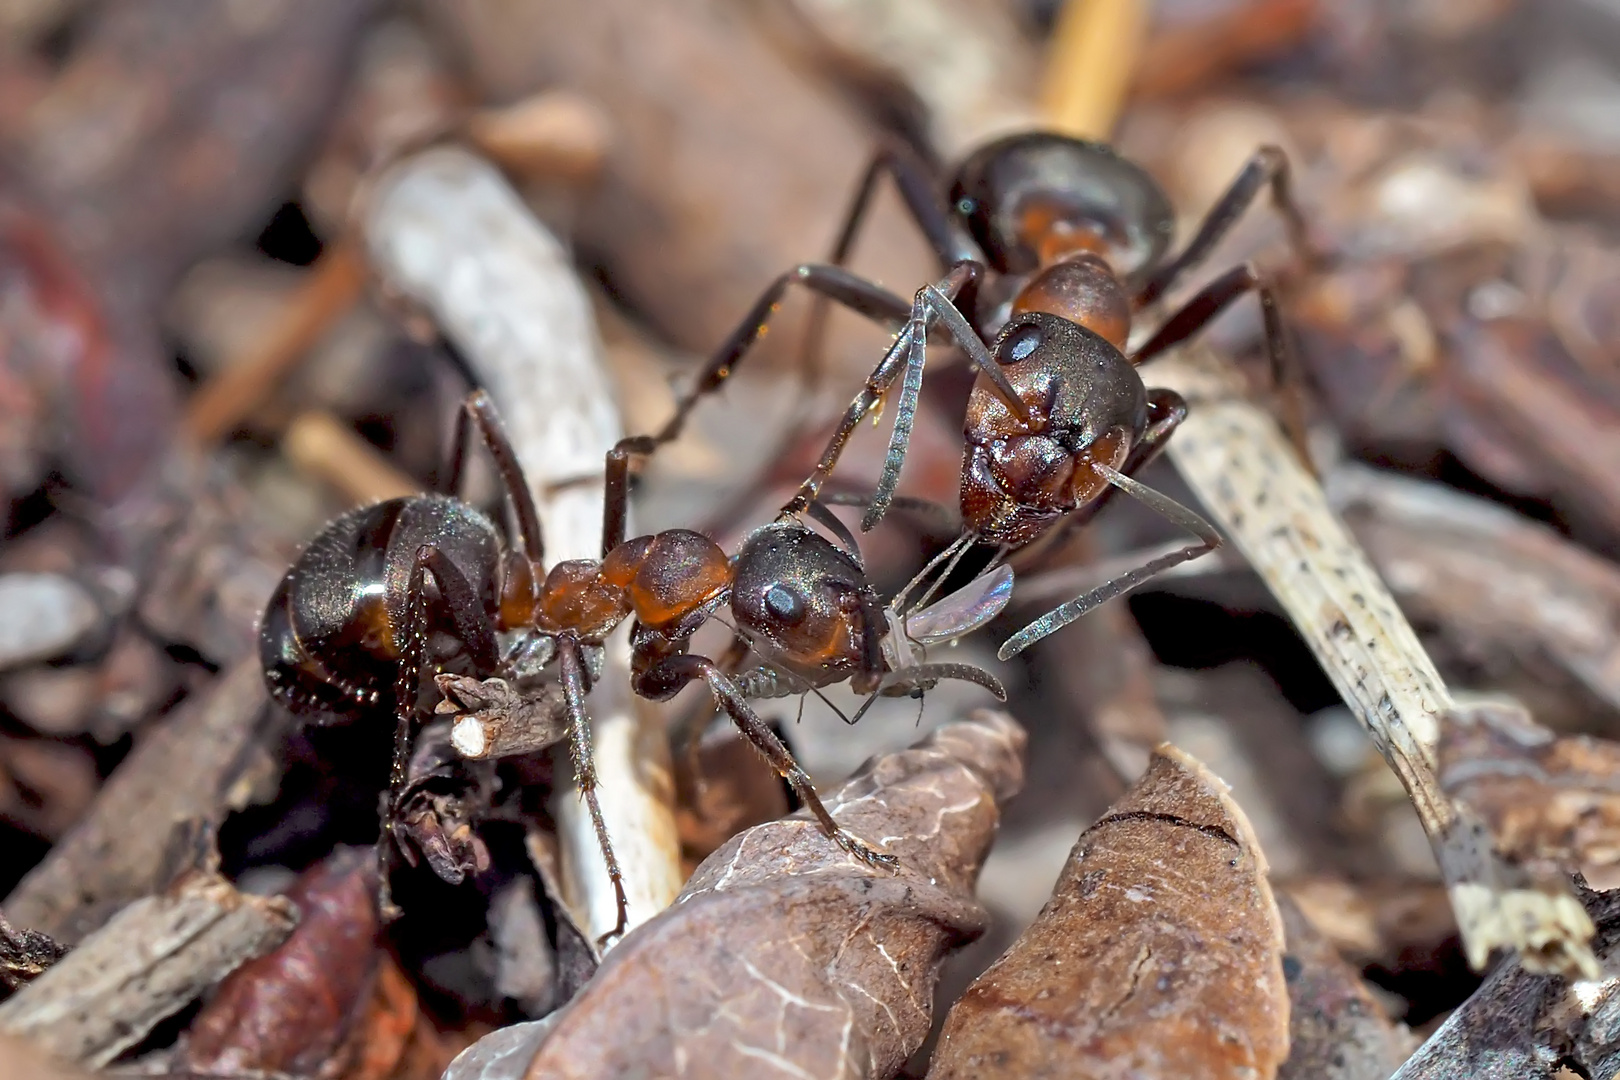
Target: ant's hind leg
[686,667]
[478,408]
[1197,313]
[1268,166]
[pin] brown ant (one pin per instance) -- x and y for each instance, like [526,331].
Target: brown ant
[1051,245]
[388,594]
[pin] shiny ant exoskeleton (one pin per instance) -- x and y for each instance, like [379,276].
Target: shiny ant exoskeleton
[388,594]
[1051,245]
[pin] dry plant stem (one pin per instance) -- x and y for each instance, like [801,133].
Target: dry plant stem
[1489,577]
[155,955]
[325,447]
[447,231]
[120,851]
[332,287]
[728,166]
[1247,476]
[1094,51]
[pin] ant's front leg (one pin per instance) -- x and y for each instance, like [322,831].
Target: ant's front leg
[674,671]
[830,282]
[908,353]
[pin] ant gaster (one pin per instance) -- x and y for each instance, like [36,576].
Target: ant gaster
[362,617]
[1051,245]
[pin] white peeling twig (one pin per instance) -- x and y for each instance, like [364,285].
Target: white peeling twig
[1234,457]
[445,229]
[152,958]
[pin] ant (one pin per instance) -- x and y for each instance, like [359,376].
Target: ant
[389,594]
[1051,245]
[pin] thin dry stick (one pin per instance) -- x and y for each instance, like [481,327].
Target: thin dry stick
[1243,470]
[446,230]
[1094,51]
[321,444]
[331,288]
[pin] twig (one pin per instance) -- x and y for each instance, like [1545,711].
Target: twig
[1243,470]
[331,288]
[120,852]
[326,447]
[1094,51]
[446,230]
[155,955]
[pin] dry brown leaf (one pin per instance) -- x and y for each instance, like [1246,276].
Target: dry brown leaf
[1337,1029]
[1546,800]
[292,1009]
[724,788]
[783,954]
[1159,954]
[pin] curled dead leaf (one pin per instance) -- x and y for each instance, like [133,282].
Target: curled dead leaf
[1337,1029]
[783,951]
[291,1010]
[1159,954]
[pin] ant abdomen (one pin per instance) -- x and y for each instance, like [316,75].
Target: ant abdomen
[1025,193]
[328,644]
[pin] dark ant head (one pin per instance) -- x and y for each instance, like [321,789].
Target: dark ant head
[807,606]
[1088,405]
[327,642]
[1030,199]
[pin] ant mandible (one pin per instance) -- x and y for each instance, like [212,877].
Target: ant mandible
[1051,245]
[350,631]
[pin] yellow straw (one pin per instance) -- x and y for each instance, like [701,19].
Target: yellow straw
[1093,58]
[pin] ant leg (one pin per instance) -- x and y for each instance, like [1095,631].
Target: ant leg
[908,350]
[479,409]
[1215,298]
[474,629]
[934,302]
[832,282]
[919,187]
[1269,165]
[1058,618]
[573,681]
[449,481]
[685,667]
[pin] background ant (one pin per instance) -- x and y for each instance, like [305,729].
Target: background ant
[390,594]
[1051,245]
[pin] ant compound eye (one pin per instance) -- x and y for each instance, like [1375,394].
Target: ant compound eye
[785,604]
[1019,344]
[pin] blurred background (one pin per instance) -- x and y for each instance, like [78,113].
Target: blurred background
[198,368]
